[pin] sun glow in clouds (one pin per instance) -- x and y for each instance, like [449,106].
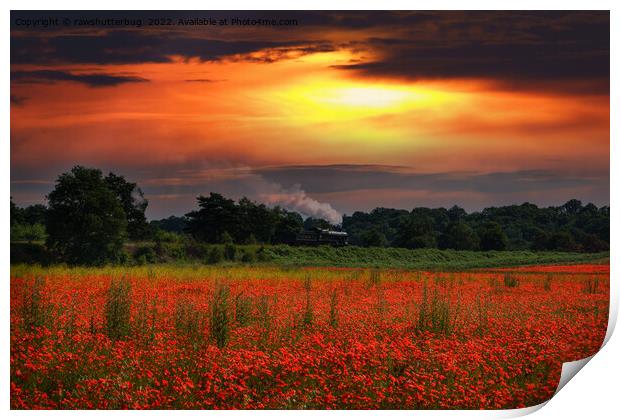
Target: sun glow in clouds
[336,100]
[367,97]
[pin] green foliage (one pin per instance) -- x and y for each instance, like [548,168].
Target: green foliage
[17,214]
[230,251]
[590,286]
[287,226]
[243,310]
[421,259]
[145,254]
[133,203]
[261,255]
[197,250]
[27,232]
[35,310]
[222,220]
[90,216]
[118,309]
[571,227]
[492,237]
[373,237]
[85,222]
[218,315]
[459,236]
[215,216]
[510,280]
[436,313]
[31,215]
[562,241]
[417,231]
[226,239]
[172,224]
[374,278]
[160,235]
[175,251]
[216,255]
[248,256]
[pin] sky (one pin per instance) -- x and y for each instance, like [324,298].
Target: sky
[324,113]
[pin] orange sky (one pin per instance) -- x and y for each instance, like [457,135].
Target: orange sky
[188,126]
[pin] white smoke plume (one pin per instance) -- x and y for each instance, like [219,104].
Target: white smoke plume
[297,200]
[239,181]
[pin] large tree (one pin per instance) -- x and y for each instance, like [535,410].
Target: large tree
[416,230]
[17,214]
[256,222]
[459,236]
[492,237]
[288,225]
[86,223]
[216,215]
[134,204]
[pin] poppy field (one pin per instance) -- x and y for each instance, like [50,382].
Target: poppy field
[210,337]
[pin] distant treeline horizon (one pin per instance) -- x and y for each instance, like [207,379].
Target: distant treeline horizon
[570,227]
[89,216]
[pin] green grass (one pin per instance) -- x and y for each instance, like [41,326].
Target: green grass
[421,259]
[326,256]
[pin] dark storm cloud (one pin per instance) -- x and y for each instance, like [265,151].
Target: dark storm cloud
[140,19]
[132,47]
[340,178]
[510,46]
[472,59]
[365,19]
[513,47]
[92,80]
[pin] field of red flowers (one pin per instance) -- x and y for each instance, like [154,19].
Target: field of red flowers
[258,337]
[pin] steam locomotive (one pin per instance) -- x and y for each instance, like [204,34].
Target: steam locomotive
[318,236]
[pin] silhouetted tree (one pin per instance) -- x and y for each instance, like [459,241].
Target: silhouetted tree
[86,223]
[373,237]
[215,216]
[417,231]
[492,237]
[513,227]
[170,224]
[455,213]
[459,236]
[134,204]
[562,241]
[312,222]
[256,222]
[288,225]
[17,214]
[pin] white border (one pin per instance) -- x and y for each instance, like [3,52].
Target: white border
[593,394]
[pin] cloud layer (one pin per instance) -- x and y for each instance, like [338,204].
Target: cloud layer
[514,47]
[340,111]
[92,80]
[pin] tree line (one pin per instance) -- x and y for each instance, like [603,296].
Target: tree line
[570,227]
[90,216]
